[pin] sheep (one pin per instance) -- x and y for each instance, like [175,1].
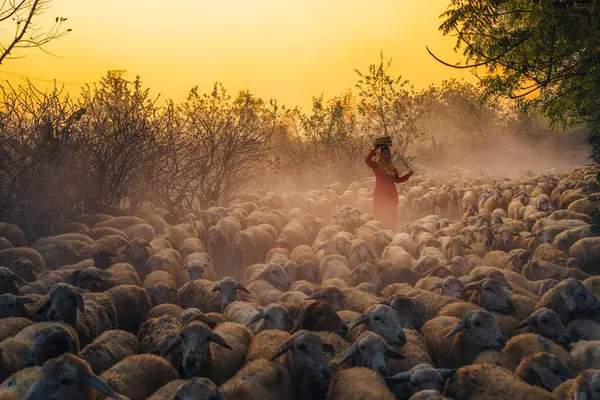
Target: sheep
[16,386]
[161,288]
[13,306]
[583,329]
[97,311]
[450,286]
[411,312]
[200,359]
[570,299]
[364,273]
[68,378]
[421,377]
[195,388]
[133,305]
[587,251]
[269,375]
[306,363]
[238,311]
[172,310]
[110,348]
[7,256]
[540,270]
[12,325]
[319,317]
[384,321]
[490,382]
[564,240]
[585,386]
[139,376]
[587,354]
[543,370]
[264,344]
[273,316]
[371,351]
[13,234]
[526,344]
[546,323]
[331,295]
[48,340]
[360,383]
[476,332]
[334,266]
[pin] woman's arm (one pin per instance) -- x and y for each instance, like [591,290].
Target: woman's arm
[404,178]
[369,159]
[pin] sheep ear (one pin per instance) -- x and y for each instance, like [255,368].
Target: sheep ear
[176,342]
[476,286]
[359,321]
[80,303]
[448,246]
[25,300]
[219,340]
[285,347]
[101,386]
[255,318]
[328,348]
[569,302]
[459,327]
[349,353]
[216,287]
[316,295]
[548,378]
[446,372]
[298,324]
[393,353]
[16,277]
[527,321]
[399,378]
[242,288]
[44,307]
[438,285]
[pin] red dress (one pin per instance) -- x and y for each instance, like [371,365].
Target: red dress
[385,198]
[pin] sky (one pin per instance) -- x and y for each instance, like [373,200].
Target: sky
[290,50]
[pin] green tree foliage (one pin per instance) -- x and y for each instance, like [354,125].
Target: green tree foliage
[390,106]
[540,53]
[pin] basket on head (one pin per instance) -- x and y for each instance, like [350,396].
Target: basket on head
[383,141]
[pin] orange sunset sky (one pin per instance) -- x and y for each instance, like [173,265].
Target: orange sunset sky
[290,50]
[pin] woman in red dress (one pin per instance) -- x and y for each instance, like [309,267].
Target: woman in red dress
[385,198]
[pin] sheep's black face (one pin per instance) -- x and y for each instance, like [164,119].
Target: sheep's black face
[484,332]
[549,324]
[585,302]
[494,297]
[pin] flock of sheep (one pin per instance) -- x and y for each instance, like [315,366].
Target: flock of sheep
[490,292]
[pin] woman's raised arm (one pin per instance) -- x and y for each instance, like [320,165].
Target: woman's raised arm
[369,158]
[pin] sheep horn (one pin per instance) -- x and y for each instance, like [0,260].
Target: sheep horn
[43,307]
[350,353]
[438,285]
[242,288]
[363,319]
[176,342]
[400,377]
[101,386]
[216,287]
[255,318]
[219,340]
